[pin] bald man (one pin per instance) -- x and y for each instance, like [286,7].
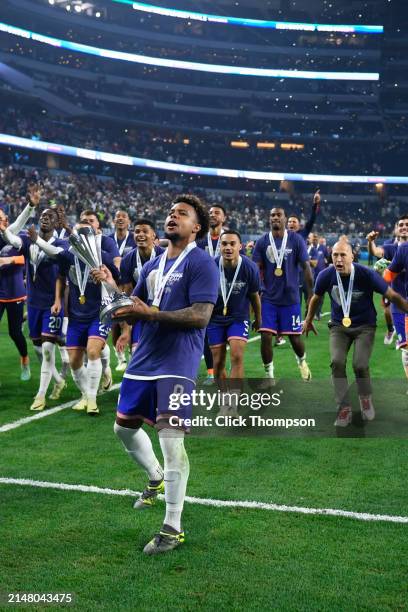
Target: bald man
[353,321]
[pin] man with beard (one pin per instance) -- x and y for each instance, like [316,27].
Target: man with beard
[174,299]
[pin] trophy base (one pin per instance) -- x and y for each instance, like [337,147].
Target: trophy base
[120,300]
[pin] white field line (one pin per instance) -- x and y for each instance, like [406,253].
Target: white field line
[47,413]
[216,503]
[44,413]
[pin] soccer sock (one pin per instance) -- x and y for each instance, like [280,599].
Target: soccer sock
[176,471]
[80,378]
[47,367]
[25,361]
[38,352]
[404,357]
[120,356]
[94,373]
[64,361]
[210,372]
[105,357]
[64,326]
[269,369]
[139,447]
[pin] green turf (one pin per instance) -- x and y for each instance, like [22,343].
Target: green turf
[91,544]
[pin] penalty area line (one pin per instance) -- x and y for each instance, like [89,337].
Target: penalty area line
[45,413]
[216,503]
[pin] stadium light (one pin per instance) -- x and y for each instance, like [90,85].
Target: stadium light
[142,162]
[183,65]
[255,23]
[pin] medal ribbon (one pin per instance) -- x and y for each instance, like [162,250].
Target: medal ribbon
[210,245]
[122,247]
[139,264]
[36,256]
[279,255]
[223,280]
[346,301]
[81,280]
[161,279]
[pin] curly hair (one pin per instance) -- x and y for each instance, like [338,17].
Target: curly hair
[201,211]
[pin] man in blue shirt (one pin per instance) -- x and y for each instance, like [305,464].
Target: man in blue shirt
[353,321]
[174,299]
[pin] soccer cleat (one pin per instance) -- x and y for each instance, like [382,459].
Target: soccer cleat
[91,407]
[305,371]
[344,417]
[57,390]
[209,380]
[38,403]
[389,337]
[121,367]
[25,372]
[280,341]
[367,408]
[149,496]
[167,539]
[81,405]
[106,381]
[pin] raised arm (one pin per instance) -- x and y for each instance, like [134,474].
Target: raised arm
[373,249]
[9,236]
[34,197]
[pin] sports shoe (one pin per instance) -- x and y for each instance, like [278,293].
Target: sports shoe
[25,372]
[167,539]
[344,417]
[58,388]
[121,367]
[81,405]
[389,337]
[367,408]
[305,371]
[91,407]
[106,380]
[280,341]
[38,403]
[149,496]
[209,380]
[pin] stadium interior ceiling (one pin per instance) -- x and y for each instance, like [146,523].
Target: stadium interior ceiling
[185,116]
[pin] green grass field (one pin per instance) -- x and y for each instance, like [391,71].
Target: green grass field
[91,544]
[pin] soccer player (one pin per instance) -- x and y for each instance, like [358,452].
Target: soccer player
[353,321]
[12,297]
[211,243]
[105,243]
[394,318]
[238,289]
[279,254]
[85,333]
[44,325]
[130,270]
[174,298]
[125,243]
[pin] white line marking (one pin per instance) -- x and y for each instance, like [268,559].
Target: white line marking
[217,503]
[45,413]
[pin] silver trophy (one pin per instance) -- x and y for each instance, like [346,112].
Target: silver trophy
[84,245]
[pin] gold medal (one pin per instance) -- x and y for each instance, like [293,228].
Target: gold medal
[224,311]
[154,307]
[278,272]
[346,321]
[82,299]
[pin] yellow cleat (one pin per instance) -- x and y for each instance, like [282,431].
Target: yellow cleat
[106,381]
[305,371]
[57,390]
[38,403]
[81,405]
[92,408]
[121,367]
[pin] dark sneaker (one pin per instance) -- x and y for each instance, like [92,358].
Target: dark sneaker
[149,496]
[167,539]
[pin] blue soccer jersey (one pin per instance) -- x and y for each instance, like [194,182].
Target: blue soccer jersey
[400,282]
[129,272]
[124,245]
[281,290]
[247,282]
[167,350]
[366,282]
[12,288]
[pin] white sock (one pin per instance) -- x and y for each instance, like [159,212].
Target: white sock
[269,369]
[105,357]
[80,378]
[38,352]
[64,360]
[47,367]
[139,447]
[176,471]
[94,373]
[404,358]
[300,359]
[120,356]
